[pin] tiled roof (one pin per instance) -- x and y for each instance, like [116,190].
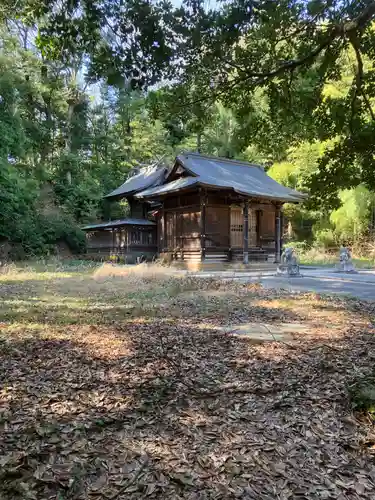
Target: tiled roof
[147,177]
[242,177]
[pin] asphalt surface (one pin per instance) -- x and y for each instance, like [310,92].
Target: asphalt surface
[320,280]
[363,289]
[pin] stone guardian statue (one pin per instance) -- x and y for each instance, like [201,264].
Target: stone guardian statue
[289,265]
[345,264]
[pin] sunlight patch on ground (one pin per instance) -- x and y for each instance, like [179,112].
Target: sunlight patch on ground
[111,369]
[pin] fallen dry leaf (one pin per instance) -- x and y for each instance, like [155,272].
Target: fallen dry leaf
[100,402]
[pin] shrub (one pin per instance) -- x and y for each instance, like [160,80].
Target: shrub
[38,237]
[299,246]
[325,238]
[362,396]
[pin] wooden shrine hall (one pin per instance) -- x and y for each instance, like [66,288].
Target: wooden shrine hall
[200,209]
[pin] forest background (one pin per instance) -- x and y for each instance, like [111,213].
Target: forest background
[90,89]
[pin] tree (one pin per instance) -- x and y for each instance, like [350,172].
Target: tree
[64,146]
[289,50]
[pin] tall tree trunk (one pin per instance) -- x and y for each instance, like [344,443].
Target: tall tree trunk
[72,101]
[199,142]
[69,139]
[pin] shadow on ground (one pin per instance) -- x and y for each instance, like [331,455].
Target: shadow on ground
[212,415]
[156,407]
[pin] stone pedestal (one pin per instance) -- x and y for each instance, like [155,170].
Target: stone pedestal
[288,266]
[345,264]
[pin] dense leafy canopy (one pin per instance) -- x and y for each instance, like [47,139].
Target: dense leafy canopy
[90,88]
[281,53]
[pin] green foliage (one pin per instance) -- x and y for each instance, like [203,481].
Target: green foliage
[325,237]
[299,246]
[285,84]
[284,172]
[37,236]
[351,220]
[286,72]
[344,225]
[52,135]
[362,396]
[18,195]
[64,229]
[221,137]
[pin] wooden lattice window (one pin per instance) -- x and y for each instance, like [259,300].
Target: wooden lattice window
[190,223]
[236,227]
[135,237]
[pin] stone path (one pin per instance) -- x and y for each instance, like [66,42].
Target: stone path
[265,332]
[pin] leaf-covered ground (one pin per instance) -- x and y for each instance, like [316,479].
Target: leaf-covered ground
[121,387]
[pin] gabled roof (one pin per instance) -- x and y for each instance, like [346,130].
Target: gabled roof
[146,177]
[119,223]
[220,173]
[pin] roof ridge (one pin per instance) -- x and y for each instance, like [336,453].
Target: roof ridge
[138,170]
[228,160]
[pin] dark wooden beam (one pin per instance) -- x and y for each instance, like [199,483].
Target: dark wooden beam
[277,233]
[164,228]
[113,239]
[181,209]
[246,232]
[259,227]
[203,196]
[230,256]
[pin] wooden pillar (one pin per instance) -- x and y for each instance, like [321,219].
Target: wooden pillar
[246,232]
[203,224]
[165,234]
[259,228]
[127,239]
[277,233]
[230,254]
[112,251]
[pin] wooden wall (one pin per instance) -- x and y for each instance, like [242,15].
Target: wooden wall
[99,239]
[138,209]
[236,227]
[217,227]
[126,243]
[182,229]
[179,226]
[267,227]
[182,201]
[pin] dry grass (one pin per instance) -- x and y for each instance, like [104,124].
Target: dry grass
[322,257]
[141,272]
[111,388]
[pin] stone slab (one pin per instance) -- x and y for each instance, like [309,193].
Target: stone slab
[265,332]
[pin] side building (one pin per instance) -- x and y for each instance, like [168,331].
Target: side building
[134,238]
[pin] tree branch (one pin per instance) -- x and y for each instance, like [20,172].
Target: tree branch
[262,77]
[347,29]
[290,65]
[361,21]
[305,25]
[358,81]
[368,106]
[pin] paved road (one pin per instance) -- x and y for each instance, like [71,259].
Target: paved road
[321,280]
[363,289]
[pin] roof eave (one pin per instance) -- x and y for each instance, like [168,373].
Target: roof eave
[155,196]
[221,188]
[108,225]
[159,172]
[118,196]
